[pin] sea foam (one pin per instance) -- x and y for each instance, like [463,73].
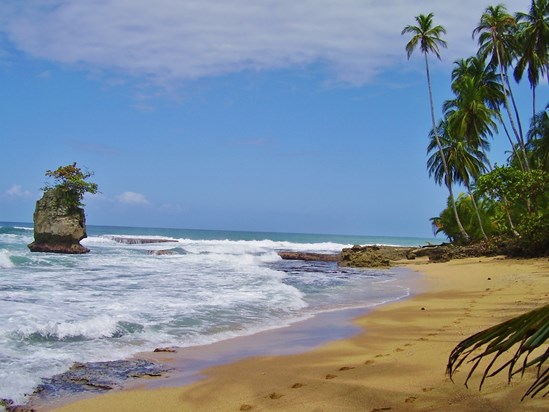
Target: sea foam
[120,299]
[5,261]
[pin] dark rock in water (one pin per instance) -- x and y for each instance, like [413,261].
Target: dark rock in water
[58,228]
[9,406]
[139,240]
[95,377]
[321,257]
[162,252]
[372,256]
[168,350]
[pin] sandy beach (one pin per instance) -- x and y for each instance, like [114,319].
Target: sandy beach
[396,363]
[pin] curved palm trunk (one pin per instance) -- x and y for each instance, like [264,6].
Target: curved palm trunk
[509,220]
[515,108]
[519,158]
[503,198]
[504,83]
[442,156]
[534,101]
[477,212]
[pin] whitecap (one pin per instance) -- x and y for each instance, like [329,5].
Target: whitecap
[5,261]
[98,327]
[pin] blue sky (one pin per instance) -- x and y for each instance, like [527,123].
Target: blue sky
[241,115]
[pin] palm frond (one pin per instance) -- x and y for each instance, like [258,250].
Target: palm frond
[529,331]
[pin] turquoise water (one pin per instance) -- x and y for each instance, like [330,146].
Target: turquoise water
[123,297]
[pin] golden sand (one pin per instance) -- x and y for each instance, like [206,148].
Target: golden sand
[396,364]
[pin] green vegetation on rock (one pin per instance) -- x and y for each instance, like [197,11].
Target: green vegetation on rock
[70,184]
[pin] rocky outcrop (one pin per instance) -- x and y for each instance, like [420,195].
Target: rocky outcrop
[57,227]
[372,256]
[162,252]
[129,240]
[307,256]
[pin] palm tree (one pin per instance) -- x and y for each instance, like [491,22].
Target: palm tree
[428,38]
[534,45]
[465,163]
[485,77]
[446,223]
[496,41]
[469,116]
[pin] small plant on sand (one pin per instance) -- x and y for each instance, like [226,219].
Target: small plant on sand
[70,184]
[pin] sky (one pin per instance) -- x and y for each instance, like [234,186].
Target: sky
[258,115]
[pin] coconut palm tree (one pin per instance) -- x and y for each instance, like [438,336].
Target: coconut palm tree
[533,45]
[464,160]
[489,87]
[485,77]
[446,223]
[497,42]
[468,115]
[428,38]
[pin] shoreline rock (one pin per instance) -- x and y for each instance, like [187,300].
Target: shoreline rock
[85,378]
[373,256]
[57,227]
[127,240]
[309,256]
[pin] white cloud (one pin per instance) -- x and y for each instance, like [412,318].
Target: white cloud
[17,191]
[167,40]
[132,198]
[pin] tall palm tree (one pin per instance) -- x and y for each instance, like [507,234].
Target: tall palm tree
[465,163]
[428,38]
[489,87]
[534,45]
[497,42]
[485,77]
[468,115]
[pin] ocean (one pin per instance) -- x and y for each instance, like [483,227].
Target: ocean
[125,297]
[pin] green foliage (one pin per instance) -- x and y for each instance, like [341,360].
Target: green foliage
[523,334]
[491,215]
[70,184]
[425,35]
[538,140]
[526,195]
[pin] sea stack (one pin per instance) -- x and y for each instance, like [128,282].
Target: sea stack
[58,228]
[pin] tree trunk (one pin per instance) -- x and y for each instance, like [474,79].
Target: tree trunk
[504,83]
[442,156]
[503,198]
[479,219]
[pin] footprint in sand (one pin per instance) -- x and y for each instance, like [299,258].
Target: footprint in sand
[381,409]
[346,368]
[427,389]
[411,399]
[245,407]
[297,385]
[330,376]
[275,395]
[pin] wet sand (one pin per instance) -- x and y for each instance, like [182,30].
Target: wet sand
[395,363]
